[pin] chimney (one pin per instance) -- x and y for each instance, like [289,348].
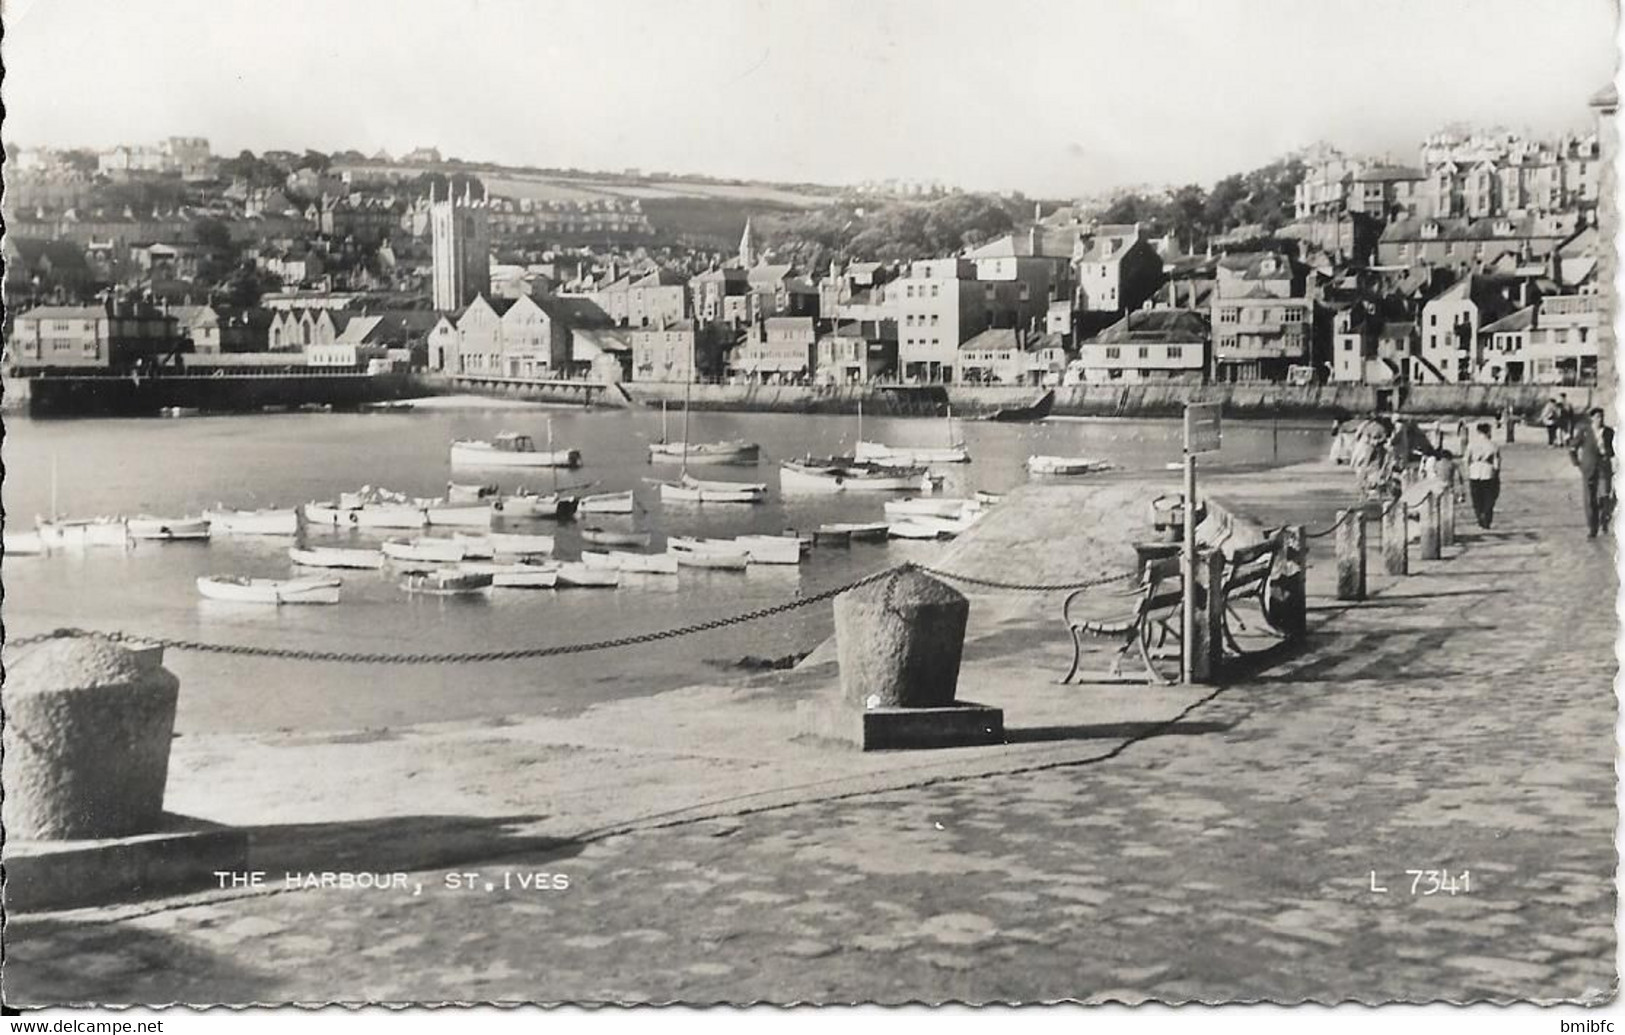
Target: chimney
[1032,238]
[1038,211]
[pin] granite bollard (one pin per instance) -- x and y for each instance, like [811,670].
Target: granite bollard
[1395,538]
[87,738]
[899,641]
[1428,507]
[87,741]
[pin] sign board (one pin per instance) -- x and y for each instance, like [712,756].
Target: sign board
[1202,433]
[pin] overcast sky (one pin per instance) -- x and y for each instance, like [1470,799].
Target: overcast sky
[1053,97]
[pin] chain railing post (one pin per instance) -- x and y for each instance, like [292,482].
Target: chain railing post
[1351,554]
[1395,538]
[1428,548]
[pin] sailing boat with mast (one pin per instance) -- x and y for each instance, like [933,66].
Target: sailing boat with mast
[875,452]
[688,489]
[56,532]
[850,474]
[686,452]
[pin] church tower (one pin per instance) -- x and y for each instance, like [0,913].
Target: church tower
[747,247]
[462,248]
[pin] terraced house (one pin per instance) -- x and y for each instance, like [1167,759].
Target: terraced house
[1263,318]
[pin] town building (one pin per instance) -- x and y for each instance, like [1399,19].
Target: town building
[779,349]
[117,335]
[1263,318]
[1146,345]
[1452,321]
[1466,244]
[1565,339]
[857,352]
[1012,356]
[1116,269]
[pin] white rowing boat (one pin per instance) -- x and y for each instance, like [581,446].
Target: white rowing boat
[445,581]
[515,576]
[24,544]
[269,521]
[912,506]
[431,551]
[459,493]
[79,533]
[695,490]
[631,563]
[840,533]
[606,503]
[1065,464]
[510,449]
[372,515]
[707,553]
[336,557]
[581,576]
[240,589]
[509,544]
[458,515]
[771,549]
[552,506]
[904,456]
[145,526]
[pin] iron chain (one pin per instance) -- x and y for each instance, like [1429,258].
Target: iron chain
[526,653]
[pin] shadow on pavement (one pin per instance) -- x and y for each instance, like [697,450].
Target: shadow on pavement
[396,843]
[1112,731]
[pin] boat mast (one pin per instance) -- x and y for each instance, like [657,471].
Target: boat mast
[688,388]
[55,513]
[860,426]
[663,438]
[552,461]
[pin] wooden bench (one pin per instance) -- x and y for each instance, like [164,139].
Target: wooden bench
[1141,618]
[1250,573]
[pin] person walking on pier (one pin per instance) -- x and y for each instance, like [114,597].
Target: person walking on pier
[1484,474]
[1591,448]
[1549,418]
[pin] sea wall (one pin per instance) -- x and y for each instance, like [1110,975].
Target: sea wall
[101,395]
[1145,400]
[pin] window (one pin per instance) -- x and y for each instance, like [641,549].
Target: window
[1145,352]
[1433,320]
[933,319]
[1348,345]
[1228,315]
[1176,351]
[1113,352]
[936,289]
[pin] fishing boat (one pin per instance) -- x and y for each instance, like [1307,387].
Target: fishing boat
[446,581]
[78,533]
[702,553]
[507,544]
[239,589]
[515,576]
[875,452]
[898,510]
[432,551]
[582,576]
[606,503]
[599,536]
[840,533]
[631,563]
[841,475]
[145,526]
[459,493]
[24,544]
[179,411]
[554,507]
[269,521]
[1065,464]
[459,515]
[705,452]
[688,489]
[510,449]
[336,557]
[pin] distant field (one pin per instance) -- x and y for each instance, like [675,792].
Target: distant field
[718,221]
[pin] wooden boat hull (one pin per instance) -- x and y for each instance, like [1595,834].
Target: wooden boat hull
[388,515]
[24,544]
[483,454]
[705,452]
[613,537]
[454,516]
[336,557]
[456,493]
[673,492]
[165,529]
[770,549]
[580,576]
[238,590]
[552,508]
[911,456]
[1064,465]
[631,563]
[794,477]
[606,503]
[431,551]
[79,534]
[841,532]
[707,553]
[283,521]
[1039,409]
[446,582]
[898,510]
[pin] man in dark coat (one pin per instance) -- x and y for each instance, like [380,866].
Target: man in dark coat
[1591,448]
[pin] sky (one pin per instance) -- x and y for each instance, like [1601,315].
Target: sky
[1056,98]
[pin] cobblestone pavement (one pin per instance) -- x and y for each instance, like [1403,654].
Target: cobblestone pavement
[1461,720]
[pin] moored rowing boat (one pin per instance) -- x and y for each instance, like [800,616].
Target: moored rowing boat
[242,590]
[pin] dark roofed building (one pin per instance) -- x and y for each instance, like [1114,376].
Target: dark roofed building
[1146,345]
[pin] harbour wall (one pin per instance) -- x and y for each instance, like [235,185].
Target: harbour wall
[110,395]
[1141,400]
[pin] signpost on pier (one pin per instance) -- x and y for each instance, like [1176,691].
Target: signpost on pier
[1202,435]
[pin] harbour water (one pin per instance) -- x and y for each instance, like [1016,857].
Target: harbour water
[173,467]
